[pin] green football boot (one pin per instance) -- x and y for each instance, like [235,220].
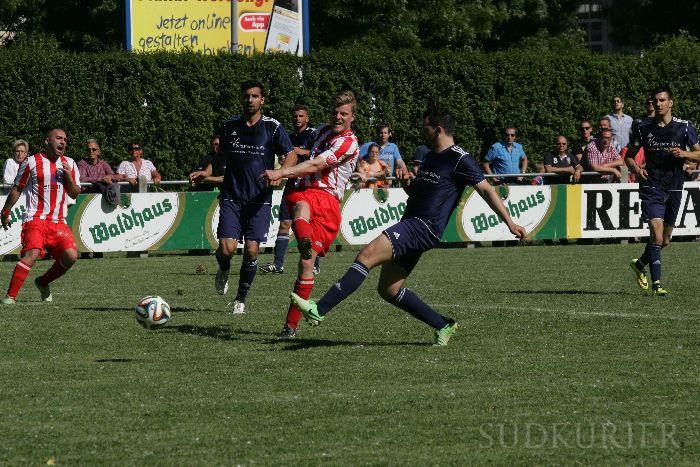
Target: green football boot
[8,301]
[442,336]
[639,275]
[658,291]
[44,291]
[308,309]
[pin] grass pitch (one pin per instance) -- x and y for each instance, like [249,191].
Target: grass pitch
[559,359]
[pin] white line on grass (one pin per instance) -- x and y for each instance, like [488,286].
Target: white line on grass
[571,312]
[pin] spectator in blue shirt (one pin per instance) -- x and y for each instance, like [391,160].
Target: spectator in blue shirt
[388,152]
[506,157]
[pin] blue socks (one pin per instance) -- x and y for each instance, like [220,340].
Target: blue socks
[342,289]
[654,264]
[410,303]
[247,274]
[281,245]
[224,263]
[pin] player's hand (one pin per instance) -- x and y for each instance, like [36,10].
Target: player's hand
[402,174]
[677,152]
[518,231]
[6,222]
[272,177]
[642,173]
[198,176]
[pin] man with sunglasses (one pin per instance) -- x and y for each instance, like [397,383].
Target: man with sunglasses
[586,131]
[620,123]
[506,157]
[136,167]
[93,169]
[561,162]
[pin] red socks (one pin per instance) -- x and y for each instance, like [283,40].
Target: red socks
[18,276]
[56,270]
[303,288]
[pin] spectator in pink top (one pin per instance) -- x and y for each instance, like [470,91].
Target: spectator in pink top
[600,156]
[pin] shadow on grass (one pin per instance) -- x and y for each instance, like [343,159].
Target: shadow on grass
[558,292]
[110,309]
[114,360]
[225,333]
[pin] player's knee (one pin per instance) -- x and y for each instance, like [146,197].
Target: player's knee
[386,293]
[250,252]
[69,257]
[31,256]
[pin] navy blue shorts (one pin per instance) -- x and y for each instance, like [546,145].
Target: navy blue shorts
[285,215]
[409,239]
[660,204]
[240,220]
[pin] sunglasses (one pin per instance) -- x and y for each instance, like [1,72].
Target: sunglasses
[134,148]
[586,128]
[510,134]
[93,149]
[562,144]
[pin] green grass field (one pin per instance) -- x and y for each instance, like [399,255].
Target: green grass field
[559,359]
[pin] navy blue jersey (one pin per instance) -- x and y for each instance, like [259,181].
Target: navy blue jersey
[249,152]
[439,185]
[303,140]
[664,170]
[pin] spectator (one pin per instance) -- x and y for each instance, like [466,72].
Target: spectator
[600,156]
[93,169]
[586,131]
[639,158]
[373,168]
[561,162]
[620,123]
[388,152]
[20,150]
[135,167]
[210,170]
[418,157]
[506,157]
[606,124]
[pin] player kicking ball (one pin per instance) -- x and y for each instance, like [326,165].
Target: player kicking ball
[46,178]
[665,140]
[433,194]
[315,201]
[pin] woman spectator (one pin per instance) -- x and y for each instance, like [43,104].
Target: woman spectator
[137,167]
[20,150]
[374,169]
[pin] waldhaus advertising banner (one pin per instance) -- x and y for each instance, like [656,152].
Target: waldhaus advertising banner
[184,221]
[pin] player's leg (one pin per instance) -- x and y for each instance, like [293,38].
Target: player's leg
[20,273]
[377,252]
[391,288]
[228,232]
[64,260]
[303,231]
[324,213]
[255,222]
[282,241]
[33,239]
[652,253]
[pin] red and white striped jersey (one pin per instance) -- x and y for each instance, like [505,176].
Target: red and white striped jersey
[340,152]
[42,185]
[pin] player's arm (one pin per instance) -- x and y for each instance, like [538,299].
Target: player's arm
[301,152]
[487,192]
[692,156]
[71,185]
[12,198]
[296,171]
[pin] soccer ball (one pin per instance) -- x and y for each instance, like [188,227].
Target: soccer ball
[152,312]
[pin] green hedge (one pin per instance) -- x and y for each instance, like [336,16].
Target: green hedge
[543,92]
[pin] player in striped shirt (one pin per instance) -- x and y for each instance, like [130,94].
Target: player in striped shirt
[47,179]
[315,203]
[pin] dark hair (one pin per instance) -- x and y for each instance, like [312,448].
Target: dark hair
[373,145]
[214,136]
[661,89]
[381,125]
[300,107]
[134,142]
[50,129]
[251,83]
[438,116]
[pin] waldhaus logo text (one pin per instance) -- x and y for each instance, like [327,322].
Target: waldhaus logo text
[128,220]
[484,222]
[382,215]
